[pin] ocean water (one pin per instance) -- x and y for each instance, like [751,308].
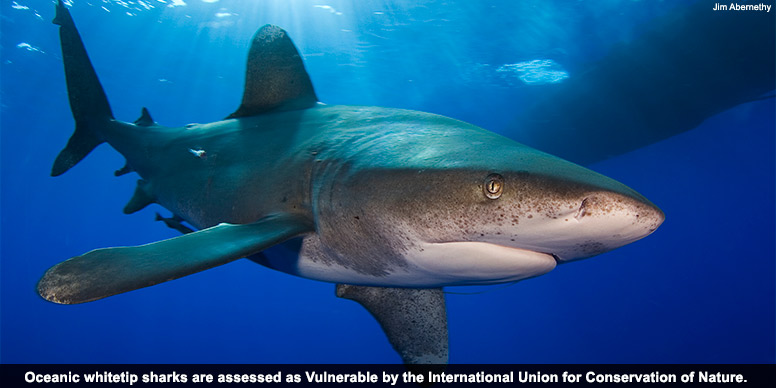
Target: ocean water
[699,290]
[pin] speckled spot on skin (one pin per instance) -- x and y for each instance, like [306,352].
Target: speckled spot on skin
[591,248]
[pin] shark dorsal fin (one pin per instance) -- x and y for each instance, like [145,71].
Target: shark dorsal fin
[275,77]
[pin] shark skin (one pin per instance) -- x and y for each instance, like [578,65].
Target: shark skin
[392,205]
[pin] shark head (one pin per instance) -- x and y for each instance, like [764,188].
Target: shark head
[472,207]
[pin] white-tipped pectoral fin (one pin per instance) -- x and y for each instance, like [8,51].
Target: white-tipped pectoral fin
[109,271]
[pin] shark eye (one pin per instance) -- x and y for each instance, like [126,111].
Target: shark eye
[494,186]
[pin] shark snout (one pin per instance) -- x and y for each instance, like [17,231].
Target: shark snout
[607,220]
[631,210]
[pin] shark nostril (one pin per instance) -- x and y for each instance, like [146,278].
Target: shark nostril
[582,210]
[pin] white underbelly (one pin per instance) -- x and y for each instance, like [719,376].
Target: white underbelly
[427,265]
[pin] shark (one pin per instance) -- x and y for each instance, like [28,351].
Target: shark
[389,205]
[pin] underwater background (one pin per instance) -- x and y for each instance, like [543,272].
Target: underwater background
[701,289]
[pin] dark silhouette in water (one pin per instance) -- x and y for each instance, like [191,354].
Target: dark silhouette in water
[689,65]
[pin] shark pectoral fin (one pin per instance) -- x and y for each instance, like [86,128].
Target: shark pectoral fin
[105,272]
[275,77]
[415,320]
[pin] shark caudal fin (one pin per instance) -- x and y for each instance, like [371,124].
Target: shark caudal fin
[87,99]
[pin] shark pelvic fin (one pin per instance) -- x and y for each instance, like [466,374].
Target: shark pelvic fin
[145,119]
[87,98]
[143,197]
[110,271]
[275,77]
[415,320]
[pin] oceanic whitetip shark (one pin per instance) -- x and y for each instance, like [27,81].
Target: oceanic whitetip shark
[389,204]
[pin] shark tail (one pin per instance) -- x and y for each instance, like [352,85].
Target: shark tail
[88,102]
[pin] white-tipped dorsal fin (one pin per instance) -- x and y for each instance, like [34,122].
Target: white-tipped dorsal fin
[275,77]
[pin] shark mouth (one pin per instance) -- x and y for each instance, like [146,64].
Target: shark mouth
[471,263]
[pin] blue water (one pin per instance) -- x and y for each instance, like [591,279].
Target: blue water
[699,290]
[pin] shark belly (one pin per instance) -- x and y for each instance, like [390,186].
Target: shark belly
[428,265]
